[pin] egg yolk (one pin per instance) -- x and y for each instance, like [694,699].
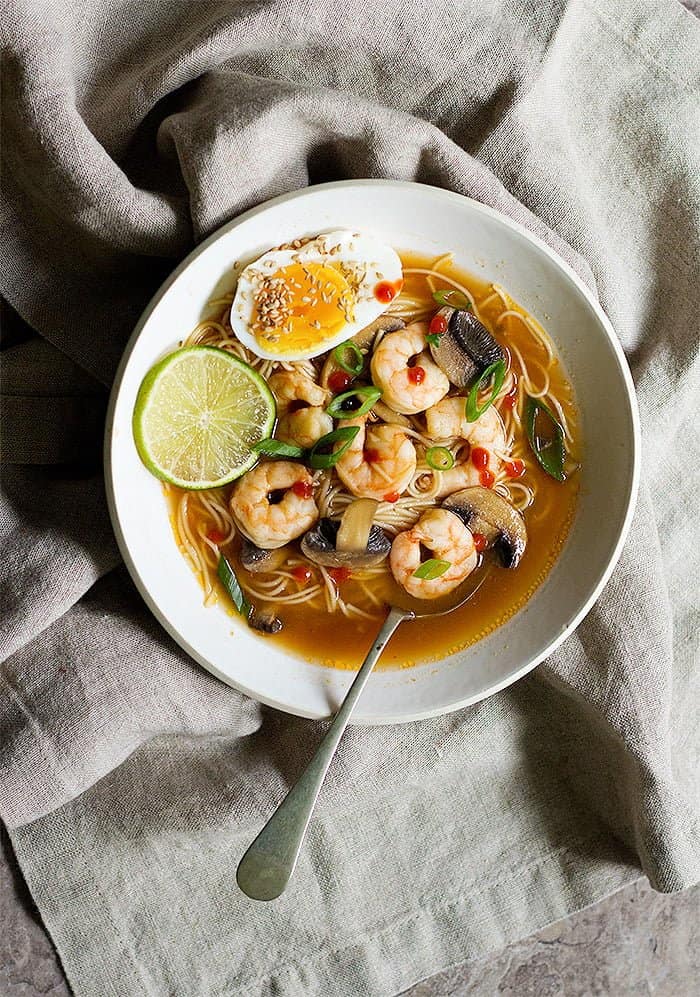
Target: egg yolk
[301,305]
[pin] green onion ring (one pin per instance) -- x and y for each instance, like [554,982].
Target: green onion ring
[497,371]
[551,454]
[439,458]
[432,568]
[453,298]
[227,577]
[370,394]
[339,357]
[276,448]
[321,461]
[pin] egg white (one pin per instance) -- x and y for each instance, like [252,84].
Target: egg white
[373,262]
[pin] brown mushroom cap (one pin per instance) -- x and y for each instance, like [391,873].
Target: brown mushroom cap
[466,348]
[484,511]
[257,559]
[265,621]
[319,545]
[385,323]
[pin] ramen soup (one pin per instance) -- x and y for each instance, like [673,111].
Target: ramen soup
[424,437]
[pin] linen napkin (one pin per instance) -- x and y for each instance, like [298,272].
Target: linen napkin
[130,780]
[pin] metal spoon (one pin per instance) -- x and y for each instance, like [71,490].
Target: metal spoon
[267,866]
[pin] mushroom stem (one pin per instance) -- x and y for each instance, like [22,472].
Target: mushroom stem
[355,526]
[387,414]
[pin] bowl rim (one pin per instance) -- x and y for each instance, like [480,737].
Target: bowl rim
[630,499]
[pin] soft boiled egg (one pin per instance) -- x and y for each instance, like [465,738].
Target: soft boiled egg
[303,299]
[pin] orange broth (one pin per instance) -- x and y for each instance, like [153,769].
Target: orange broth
[339,641]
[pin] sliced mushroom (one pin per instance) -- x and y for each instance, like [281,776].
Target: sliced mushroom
[265,621]
[485,511]
[466,348]
[256,560]
[363,340]
[385,323]
[356,525]
[320,546]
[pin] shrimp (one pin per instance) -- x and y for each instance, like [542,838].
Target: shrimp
[448,539]
[408,389]
[274,503]
[304,427]
[293,386]
[379,462]
[300,403]
[447,420]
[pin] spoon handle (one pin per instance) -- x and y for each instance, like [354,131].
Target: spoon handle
[266,867]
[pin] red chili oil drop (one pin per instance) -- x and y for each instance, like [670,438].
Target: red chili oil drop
[511,398]
[487,479]
[514,468]
[391,497]
[480,542]
[386,291]
[303,489]
[216,536]
[340,575]
[339,381]
[480,457]
[302,573]
[372,456]
[438,325]
[416,375]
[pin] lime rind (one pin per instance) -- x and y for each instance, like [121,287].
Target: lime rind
[198,413]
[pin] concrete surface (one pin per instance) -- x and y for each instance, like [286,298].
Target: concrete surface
[636,942]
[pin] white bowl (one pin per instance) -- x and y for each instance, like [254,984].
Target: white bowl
[428,220]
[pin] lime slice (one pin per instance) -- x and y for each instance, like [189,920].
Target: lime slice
[197,415]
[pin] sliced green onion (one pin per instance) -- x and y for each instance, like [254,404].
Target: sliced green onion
[550,452]
[432,568]
[276,448]
[227,577]
[340,353]
[320,461]
[433,338]
[453,299]
[439,458]
[368,397]
[497,371]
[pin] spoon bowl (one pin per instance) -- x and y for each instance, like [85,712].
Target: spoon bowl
[422,608]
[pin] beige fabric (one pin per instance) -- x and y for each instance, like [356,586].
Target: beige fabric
[130,780]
